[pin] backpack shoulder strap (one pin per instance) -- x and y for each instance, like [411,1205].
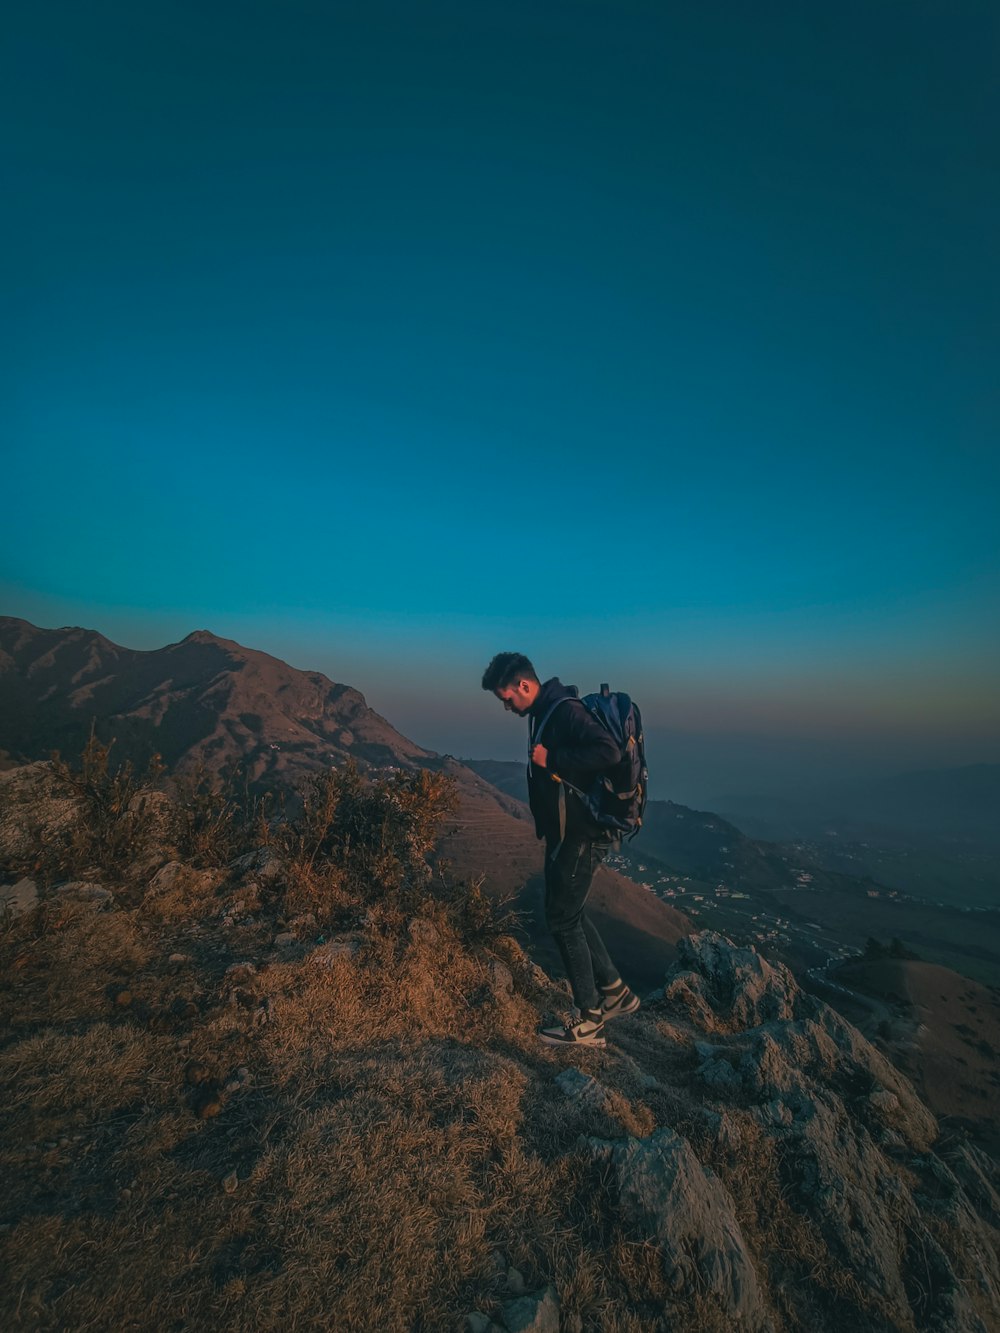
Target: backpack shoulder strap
[533,738]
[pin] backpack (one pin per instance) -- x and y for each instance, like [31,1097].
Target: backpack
[615,800]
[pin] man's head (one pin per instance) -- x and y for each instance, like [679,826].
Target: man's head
[512,678]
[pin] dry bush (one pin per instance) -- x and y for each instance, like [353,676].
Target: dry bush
[322,891]
[216,816]
[378,831]
[114,823]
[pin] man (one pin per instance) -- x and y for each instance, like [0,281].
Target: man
[567,748]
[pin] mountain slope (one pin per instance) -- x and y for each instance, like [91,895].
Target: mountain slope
[204,698]
[944,1032]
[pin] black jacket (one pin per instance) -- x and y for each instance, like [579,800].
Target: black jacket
[579,747]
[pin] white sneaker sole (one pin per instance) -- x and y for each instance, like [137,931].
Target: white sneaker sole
[553,1037]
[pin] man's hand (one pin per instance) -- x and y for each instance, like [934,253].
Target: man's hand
[540,756]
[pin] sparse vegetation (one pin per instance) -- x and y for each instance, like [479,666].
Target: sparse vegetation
[216,817]
[114,814]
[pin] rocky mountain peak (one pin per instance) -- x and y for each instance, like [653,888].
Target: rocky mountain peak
[206,636]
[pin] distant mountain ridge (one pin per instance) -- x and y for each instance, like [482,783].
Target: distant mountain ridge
[204,698]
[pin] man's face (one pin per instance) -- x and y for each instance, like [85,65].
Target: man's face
[517,698]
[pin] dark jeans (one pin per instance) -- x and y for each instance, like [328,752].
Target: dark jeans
[567,883]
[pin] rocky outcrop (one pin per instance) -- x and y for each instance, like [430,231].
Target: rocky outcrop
[856,1150]
[727,989]
[668,1196]
[33,811]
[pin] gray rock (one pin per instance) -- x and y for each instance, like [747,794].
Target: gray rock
[343,946]
[176,875]
[537,1313]
[718,1072]
[264,864]
[285,940]
[643,1079]
[165,878]
[515,1281]
[501,982]
[775,1112]
[667,1195]
[837,1109]
[20,897]
[581,1087]
[731,988]
[476,1322]
[84,891]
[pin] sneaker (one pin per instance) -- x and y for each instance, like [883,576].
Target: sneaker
[615,1006]
[588,1030]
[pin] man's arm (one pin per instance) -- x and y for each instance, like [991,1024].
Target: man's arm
[583,745]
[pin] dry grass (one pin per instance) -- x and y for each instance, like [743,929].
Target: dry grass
[59,963]
[392,1133]
[397,1123]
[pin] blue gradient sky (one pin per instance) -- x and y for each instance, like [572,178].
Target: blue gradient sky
[661,346]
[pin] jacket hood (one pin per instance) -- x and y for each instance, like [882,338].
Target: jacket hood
[551,691]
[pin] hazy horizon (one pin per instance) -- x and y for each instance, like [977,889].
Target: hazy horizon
[452,715]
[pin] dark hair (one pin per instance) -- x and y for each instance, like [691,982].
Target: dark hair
[507,669]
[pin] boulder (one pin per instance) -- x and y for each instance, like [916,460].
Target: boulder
[19,898]
[263,864]
[582,1088]
[727,988]
[34,811]
[534,1313]
[667,1196]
